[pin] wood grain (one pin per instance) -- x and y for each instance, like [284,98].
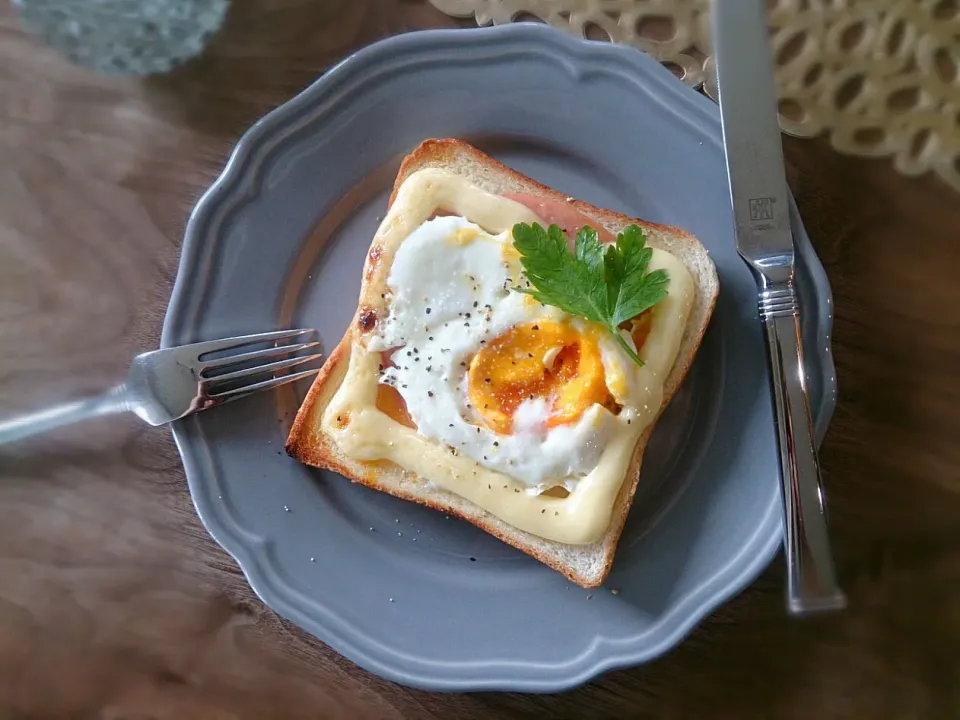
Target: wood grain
[114,603]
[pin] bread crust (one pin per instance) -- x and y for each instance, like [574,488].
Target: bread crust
[310,445]
[435,152]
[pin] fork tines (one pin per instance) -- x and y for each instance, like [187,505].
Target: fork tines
[219,376]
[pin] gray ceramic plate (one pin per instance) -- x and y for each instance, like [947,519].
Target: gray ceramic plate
[279,240]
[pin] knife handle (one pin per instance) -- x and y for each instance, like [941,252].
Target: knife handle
[811,578]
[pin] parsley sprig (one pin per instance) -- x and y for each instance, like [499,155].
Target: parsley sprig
[607,284]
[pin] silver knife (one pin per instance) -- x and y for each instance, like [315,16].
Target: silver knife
[761,211]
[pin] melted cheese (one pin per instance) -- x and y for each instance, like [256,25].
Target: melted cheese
[364,433]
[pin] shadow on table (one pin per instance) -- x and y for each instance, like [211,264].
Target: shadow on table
[269,50]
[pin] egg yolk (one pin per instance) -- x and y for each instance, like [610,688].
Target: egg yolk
[548,360]
[389,400]
[391,403]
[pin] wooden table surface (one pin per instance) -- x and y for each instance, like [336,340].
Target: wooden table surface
[114,602]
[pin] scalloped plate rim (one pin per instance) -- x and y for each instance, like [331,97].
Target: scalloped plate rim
[226,193]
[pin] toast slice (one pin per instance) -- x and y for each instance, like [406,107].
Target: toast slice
[586,565]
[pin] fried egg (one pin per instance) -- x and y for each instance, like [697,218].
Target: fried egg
[474,364]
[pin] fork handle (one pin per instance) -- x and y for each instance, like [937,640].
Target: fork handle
[17,428]
[811,578]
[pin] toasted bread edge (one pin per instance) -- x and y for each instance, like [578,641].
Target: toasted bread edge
[313,447]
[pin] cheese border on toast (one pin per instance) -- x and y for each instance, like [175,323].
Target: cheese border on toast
[586,564]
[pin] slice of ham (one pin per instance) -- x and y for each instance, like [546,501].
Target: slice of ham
[563,214]
[570,220]
[386,357]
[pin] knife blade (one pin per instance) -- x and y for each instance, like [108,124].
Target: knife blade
[760,201]
[751,132]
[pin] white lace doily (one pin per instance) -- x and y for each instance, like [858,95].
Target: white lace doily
[880,77]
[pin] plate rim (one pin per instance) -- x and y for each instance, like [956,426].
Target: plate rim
[241,176]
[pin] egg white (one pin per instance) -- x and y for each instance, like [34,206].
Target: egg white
[449,293]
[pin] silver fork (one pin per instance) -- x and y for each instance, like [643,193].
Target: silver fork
[165,385]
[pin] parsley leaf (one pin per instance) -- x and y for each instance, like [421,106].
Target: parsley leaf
[608,285]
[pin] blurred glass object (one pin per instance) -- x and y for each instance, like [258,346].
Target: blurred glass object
[125,37]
